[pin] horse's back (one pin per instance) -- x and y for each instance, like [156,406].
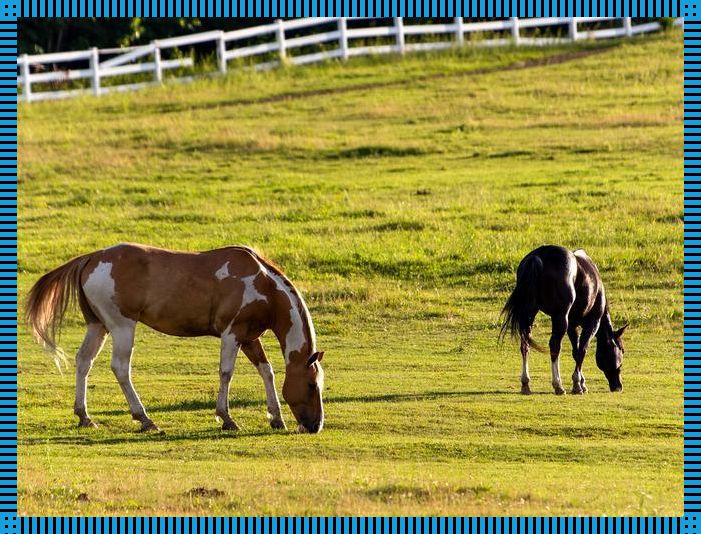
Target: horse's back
[568,279]
[558,265]
[555,283]
[178,293]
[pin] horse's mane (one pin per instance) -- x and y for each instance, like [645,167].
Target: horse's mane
[267,263]
[271,266]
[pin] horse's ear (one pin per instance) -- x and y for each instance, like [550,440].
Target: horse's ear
[618,333]
[316,357]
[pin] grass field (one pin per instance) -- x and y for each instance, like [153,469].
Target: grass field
[399,194]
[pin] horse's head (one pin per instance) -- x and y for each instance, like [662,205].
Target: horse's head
[609,356]
[304,380]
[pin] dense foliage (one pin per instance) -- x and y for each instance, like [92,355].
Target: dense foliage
[44,35]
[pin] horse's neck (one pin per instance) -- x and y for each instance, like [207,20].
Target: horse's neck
[605,327]
[292,325]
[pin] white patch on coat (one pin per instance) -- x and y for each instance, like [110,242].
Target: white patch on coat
[228,352]
[250,293]
[222,272]
[295,338]
[229,345]
[100,291]
[581,253]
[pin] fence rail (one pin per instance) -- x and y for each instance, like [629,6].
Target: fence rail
[350,42]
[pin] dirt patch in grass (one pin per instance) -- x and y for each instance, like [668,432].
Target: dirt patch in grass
[201,491]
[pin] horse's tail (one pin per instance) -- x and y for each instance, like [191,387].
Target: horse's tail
[521,305]
[48,301]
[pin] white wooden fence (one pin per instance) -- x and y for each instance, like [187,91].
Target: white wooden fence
[341,41]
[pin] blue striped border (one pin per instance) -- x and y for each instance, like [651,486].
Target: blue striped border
[348,8]
[9,521]
[8,266]
[692,261]
[378,525]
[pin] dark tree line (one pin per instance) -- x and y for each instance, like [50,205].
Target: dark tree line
[36,36]
[43,35]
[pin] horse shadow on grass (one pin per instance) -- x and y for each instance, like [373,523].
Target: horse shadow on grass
[200,404]
[97,437]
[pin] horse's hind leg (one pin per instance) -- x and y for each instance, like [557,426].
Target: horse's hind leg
[525,377]
[229,351]
[122,350]
[255,353]
[559,323]
[92,345]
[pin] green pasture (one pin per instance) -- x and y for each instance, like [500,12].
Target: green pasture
[399,195]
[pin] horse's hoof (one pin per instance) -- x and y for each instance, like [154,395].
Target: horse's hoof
[87,423]
[560,391]
[577,391]
[230,425]
[278,424]
[150,426]
[525,389]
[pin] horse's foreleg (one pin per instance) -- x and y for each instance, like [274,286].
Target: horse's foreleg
[588,331]
[122,349]
[559,324]
[90,348]
[255,353]
[229,350]
[577,376]
[525,377]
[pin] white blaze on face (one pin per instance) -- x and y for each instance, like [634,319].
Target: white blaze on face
[100,291]
[295,338]
[320,377]
[320,385]
[222,272]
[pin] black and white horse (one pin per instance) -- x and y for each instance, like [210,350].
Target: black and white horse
[566,286]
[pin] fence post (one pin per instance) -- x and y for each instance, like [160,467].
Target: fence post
[628,26]
[573,29]
[157,66]
[95,68]
[343,37]
[221,53]
[515,31]
[459,31]
[281,40]
[24,69]
[399,30]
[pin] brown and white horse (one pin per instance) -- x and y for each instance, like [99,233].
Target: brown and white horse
[231,293]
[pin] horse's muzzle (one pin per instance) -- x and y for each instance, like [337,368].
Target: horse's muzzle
[310,428]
